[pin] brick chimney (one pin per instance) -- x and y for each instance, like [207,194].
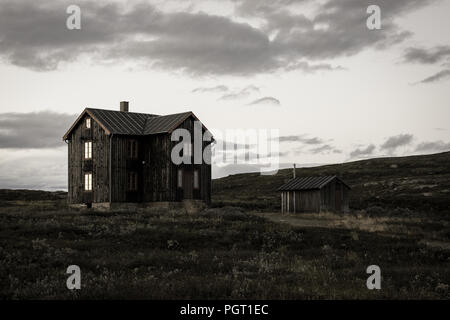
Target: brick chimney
[124,106]
[293,172]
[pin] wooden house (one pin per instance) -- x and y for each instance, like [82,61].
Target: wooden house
[314,194]
[120,157]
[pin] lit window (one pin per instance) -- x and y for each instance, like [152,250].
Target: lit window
[88,150]
[88,123]
[196,181]
[180,178]
[88,182]
[187,149]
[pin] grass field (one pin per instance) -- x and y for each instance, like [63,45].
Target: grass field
[220,253]
[399,221]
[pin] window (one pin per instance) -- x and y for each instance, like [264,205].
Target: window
[187,149]
[88,123]
[88,182]
[132,149]
[180,178]
[132,181]
[88,150]
[196,180]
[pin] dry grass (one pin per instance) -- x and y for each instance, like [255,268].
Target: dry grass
[221,253]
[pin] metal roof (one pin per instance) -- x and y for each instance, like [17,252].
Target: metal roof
[308,183]
[133,123]
[164,124]
[118,122]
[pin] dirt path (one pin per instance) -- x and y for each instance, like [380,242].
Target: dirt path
[297,220]
[388,226]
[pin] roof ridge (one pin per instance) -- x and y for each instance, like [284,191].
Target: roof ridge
[122,112]
[309,182]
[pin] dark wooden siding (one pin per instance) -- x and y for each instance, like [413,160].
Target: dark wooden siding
[158,185]
[157,175]
[98,165]
[332,197]
[204,170]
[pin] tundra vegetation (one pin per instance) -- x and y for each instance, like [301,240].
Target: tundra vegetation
[242,247]
[219,253]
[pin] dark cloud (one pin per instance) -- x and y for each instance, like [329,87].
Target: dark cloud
[343,30]
[367,151]
[33,35]
[440,76]
[434,146]
[33,130]
[395,142]
[427,56]
[266,101]
[216,89]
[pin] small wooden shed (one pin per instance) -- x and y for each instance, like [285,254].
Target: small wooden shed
[314,194]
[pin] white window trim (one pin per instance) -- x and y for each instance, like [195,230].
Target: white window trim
[88,123]
[88,182]
[88,150]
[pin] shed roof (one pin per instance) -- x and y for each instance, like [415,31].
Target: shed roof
[308,183]
[133,123]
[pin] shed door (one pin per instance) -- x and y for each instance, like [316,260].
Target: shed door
[188,183]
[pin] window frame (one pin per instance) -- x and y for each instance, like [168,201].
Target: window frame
[88,123]
[88,150]
[187,146]
[132,149]
[132,182]
[180,178]
[196,178]
[88,181]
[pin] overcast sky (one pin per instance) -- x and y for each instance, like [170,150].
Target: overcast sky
[336,90]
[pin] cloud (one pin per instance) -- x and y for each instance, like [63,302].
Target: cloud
[307,67]
[434,146]
[266,101]
[427,56]
[240,93]
[34,130]
[325,149]
[33,35]
[440,76]
[231,145]
[367,151]
[34,169]
[216,89]
[395,142]
[301,138]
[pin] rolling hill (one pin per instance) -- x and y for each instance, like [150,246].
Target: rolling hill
[419,183]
